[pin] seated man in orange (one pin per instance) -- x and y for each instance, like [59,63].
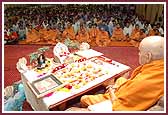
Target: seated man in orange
[144,87]
[102,38]
[49,35]
[93,33]
[118,34]
[52,36]
[69,32]
[58,37]
[135,31]
[44,33]
[83,35]
[138,37]
[32,36]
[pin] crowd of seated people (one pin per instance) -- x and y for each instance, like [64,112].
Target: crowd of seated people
[95,24]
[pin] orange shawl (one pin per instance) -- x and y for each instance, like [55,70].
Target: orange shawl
[143,89]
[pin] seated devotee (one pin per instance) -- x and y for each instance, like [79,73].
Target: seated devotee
[93,33]
[118,34]
[159,28]
[145,86]
[6,36]
[157,33]
[111,26]
[43,34]
[51,37]
[98,21]
[58,37]
[146,29]
[127,31]
[60,27]
[48,35]
[69,32]
[14,35]
[22,33]
[32,36]
[152,31]
[138,38]
[10,35]
[135,31]
[15,27]
[103,25]
[45,24]
[76,25]
[102,38]
[83,35]
[88,25]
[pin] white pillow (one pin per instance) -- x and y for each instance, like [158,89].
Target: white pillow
[104,106]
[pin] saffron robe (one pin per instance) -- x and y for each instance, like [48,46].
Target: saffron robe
[140,92]
[69,33]
[93,33]
[153,33]
[83,36]
[33,36]
[102,39]
[134,32]
[118,34]
[137,38]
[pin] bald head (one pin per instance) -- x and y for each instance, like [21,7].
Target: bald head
[151,48]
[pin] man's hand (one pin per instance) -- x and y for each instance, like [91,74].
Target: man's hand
[111,90]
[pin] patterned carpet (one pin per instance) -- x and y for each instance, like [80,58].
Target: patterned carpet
[125,55]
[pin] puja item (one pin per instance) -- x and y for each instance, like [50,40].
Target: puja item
[21,65]
[60,52]
[84,46]
[45,85]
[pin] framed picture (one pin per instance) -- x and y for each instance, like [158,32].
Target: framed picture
[46,85]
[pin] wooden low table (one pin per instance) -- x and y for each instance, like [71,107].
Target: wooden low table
[61,97]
